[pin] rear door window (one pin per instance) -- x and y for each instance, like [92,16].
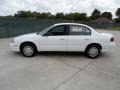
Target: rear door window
[79,30]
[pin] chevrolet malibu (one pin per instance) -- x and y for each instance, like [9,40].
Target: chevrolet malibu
[64,37]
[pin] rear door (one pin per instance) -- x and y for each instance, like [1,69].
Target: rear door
[79,37]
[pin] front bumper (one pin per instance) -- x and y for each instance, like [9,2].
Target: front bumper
[14,47]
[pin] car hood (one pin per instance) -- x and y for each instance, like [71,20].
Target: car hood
[27,35]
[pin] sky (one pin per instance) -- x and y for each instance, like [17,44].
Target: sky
[9,7]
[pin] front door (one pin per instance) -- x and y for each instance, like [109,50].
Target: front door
[54,39]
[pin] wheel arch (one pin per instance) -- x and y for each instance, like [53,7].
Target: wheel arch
[28,42]
[94,44]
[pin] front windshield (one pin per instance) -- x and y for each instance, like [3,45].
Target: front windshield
[45,30]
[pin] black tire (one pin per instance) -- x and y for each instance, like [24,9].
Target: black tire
[93,51]
[32,50]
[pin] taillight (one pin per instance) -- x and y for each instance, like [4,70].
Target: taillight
[112,39]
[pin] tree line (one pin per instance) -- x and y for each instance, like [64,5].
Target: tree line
[76,16]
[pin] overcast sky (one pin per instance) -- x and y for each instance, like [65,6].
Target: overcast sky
[9,7]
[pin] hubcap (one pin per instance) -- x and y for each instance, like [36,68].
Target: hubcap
[28,50]
[93,51]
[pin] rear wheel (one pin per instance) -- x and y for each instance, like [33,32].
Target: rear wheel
[93,51]
[28,50]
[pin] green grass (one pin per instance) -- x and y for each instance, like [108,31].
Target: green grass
[116,28]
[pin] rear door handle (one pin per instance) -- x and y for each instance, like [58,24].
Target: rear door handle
[86,39]
[62,39]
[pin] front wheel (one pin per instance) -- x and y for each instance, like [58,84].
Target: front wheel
[28,50]
[93,51]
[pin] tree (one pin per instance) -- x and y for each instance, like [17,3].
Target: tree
[117,20]
[95,14]
[29,14]
[35,14]
[83,17]
[107,15]
[44,15]
[20,14]
[76,16]
[118,13]
[24,14]
[60,16]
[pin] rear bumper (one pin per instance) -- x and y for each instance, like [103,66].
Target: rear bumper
[14,47]
[108,47]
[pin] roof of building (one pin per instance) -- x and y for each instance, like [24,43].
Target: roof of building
[102,20]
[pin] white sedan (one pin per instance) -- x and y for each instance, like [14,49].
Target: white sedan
[64,37]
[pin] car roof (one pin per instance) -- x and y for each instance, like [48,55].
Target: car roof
[70,24]
[57,24]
